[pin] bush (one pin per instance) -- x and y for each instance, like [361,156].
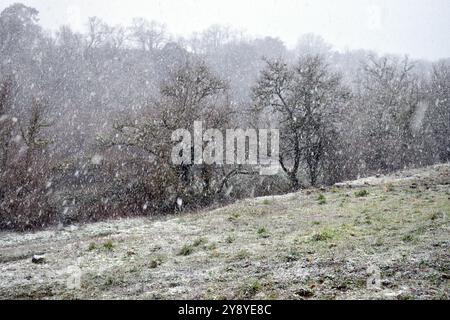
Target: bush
[25,202]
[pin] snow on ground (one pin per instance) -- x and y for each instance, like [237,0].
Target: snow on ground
[296,246]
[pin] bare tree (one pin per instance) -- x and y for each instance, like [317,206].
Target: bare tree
[150,36]
[97,31]
[24,183]
[32,132]
[190,93]
[311,44]
[439,110]
[118,37]
[305,98]
[390,97]
[18,28]
[6,121]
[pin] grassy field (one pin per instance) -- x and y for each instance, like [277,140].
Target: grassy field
[383,237]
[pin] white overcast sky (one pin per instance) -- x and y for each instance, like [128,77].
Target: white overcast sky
[420,28]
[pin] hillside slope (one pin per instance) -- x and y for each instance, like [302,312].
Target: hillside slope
[382,238]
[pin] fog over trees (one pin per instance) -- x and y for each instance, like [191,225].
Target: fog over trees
[86,119]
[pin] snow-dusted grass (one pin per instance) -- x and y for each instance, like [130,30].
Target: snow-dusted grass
[289,247]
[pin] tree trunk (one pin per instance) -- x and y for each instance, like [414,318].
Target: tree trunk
[295,184]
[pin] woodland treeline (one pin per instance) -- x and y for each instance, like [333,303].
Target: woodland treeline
[86,119]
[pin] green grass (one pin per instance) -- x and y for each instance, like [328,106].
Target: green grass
[234,216]
[292,256]
[361,193]
[437,215]
[108,245]
[408,238]
[200,241]
[186,250]
[319,238]
[156,262]
[329,233]
[322,236]
[243,254]
[389,187]
[321,199]
[230,239]
[263,232]
[251,289]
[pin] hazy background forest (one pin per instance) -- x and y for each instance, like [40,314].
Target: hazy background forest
[86,118]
